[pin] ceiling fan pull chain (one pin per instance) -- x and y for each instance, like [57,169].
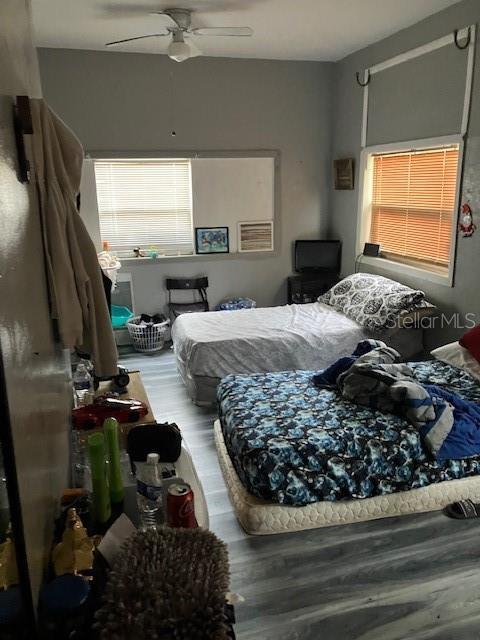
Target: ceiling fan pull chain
[173,132]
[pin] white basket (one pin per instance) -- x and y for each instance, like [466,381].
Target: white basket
[149,338]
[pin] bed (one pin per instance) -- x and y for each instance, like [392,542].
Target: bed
[210,346]
[296,457]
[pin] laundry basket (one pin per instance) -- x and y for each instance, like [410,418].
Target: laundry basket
[148,337]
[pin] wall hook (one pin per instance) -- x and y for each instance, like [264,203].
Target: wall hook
[455,39]
[367,78]
[22,125]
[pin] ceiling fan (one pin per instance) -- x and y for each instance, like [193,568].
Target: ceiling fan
[181,27]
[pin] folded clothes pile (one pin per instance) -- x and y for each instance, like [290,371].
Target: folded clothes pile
[150,321]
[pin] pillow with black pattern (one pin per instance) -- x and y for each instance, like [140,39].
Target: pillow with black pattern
[373,301]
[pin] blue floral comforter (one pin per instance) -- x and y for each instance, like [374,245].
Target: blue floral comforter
[295,444]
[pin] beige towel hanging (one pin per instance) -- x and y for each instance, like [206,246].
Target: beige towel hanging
[77,296]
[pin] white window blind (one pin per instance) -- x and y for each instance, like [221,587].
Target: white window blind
[145,203]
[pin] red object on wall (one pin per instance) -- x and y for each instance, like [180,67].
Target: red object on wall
[466,225]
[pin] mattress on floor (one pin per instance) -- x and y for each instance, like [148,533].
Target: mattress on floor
[210,346]
[294,444]
[260,517]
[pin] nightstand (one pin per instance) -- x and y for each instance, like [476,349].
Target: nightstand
[306,287]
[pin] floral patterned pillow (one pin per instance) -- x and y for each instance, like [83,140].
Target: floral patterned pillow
[373,301]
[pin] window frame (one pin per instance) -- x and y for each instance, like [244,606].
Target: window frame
[365,203]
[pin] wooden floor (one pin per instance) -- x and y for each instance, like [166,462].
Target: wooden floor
[415,577]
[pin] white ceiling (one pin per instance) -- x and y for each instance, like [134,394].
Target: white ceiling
[284,29]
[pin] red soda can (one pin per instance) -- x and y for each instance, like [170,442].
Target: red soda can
[180,506]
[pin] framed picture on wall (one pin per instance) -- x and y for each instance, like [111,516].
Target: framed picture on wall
[211,240]
[343,172]
[255,236]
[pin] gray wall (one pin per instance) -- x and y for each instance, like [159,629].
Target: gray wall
[123,102]
[437,110]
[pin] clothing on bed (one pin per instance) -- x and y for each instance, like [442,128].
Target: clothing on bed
[375,378]
[293,443]
[328,377]
[463,437]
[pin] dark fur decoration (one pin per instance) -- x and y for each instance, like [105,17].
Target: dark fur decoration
[168,584]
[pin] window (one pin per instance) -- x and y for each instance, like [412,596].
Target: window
[145,203]
[410,204]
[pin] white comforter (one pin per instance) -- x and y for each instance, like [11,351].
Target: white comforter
[308,336]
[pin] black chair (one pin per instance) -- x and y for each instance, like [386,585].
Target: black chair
[198,286]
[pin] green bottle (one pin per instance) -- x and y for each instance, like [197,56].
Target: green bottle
[110,430]
[98,469]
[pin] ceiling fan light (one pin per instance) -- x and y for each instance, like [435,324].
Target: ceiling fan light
[178,51]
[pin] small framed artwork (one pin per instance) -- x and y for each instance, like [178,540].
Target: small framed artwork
[211,240]
[255,236]
[343,170]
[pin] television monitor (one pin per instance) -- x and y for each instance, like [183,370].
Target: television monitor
[317,255]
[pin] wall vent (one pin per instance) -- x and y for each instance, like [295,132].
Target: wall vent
[255,236]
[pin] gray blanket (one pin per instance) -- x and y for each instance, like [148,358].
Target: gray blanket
[378,380]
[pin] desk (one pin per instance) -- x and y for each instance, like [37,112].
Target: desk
[306,287]
[136,391]
[184,466]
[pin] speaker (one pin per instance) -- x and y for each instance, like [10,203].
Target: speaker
[371,249]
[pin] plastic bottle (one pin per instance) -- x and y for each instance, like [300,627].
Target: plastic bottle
[82,382]
[128,477]
[149,491]
[80,464]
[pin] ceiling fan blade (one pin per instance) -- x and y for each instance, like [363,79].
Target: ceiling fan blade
[151,35]
[223,31]
[126,9]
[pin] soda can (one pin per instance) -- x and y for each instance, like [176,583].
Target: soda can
[180,506]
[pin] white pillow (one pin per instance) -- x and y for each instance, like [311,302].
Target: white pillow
[459,357]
